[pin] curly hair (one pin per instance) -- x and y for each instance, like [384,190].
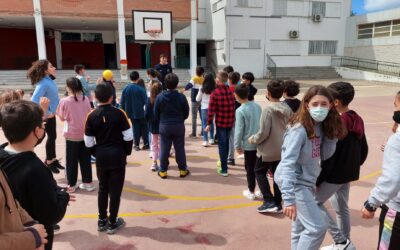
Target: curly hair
[9,95]
[37,71]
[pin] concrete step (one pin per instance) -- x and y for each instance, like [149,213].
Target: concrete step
[306,73]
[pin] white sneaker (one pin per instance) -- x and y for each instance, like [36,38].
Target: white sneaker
[154,167]
[347,246]
[240,156]
[330,247]
[211,142]
[249,195]
[259,195]
[87,186]
[204,144]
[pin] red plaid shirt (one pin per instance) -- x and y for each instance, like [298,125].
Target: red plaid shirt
[222,105]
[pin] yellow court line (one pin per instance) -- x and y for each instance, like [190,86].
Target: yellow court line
[365,177]
[167,212]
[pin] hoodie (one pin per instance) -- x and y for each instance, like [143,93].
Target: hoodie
[351,153]
[301,156]
[387,188]
[269,137]
[34,187]
[171,107]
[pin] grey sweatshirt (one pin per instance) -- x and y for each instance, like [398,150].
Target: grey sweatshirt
[301,156]
[269,138]
[387,188]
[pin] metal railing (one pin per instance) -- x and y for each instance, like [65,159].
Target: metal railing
[387,68]
[271,67]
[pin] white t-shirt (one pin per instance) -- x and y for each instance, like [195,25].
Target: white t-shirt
[203,98]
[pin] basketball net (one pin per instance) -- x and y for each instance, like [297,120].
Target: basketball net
[154,33]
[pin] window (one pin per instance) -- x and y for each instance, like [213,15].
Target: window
[249,3]
[129,39]
[247,44]
[243,3]
[365,31]
[322,47]
[220,44]
[280,7]
[382,29]
[318,8]
[396,28]
[92,37]
[70,36]
[217,6]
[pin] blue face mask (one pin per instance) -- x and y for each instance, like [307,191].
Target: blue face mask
[319,114]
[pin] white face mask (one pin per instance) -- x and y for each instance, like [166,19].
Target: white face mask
[319,114]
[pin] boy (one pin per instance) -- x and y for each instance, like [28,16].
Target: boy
[81,75]
[233,79]
[291,90]
[342,168]
[248,79]
[171,108]
[108,135]
[269,140]
[133,100]
[30,180]
[164,68]
[222,106]
[247,124]
[195,84]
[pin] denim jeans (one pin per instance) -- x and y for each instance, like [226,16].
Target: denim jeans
[223,147]
[204,119]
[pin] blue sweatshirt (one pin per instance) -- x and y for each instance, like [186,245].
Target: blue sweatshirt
[387,188]
[301,156]
[133,100]
[247,124]
[47,88]
[87,88]
[171,107]
[152,123]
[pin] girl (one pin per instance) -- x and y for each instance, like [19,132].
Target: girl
[310,138]
[42,74]
[203,96]
[153,124]
[73,111]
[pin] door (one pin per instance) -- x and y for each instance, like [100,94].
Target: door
[110,56]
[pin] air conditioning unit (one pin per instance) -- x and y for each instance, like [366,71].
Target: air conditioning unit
[317,18]
[294,34]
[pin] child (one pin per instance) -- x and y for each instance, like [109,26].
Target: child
[268,139]
[248,79]
[247,124]
[153,124]
[311,137]
[195,84]
[172,109]
[203,97]
[228,69]
[386,193]
[140,82]
[233,80]
[108,78]
[73,111]
[291,90]
[108,135]
[342,168]
[21,93]
[81,75]
[222,106]
[30,180]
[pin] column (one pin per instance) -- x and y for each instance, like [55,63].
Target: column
[173,50]
[193,38]
[37,13]
[122,41]
[57,40]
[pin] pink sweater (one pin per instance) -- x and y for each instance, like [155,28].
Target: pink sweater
[74,114]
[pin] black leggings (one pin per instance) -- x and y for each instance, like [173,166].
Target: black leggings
[111,182]
[51,132]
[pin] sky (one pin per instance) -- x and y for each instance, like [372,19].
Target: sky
[366,6]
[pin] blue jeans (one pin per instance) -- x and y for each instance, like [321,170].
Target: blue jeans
[204,119]
[172,134]
[223,147]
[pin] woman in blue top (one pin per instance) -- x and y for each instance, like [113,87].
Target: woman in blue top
[42,74]
[310,138]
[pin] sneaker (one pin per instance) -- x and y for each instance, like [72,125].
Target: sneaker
[114,227]
[72,189]
[154,167]
[102,225]
[249,195]
[53,169]
[184,173]
[87,186]
[211,142]
[163,174]
[259,195]
[136,148]
[224,174]
[92,159]
[56,228]
[192,136]
[345,246]
[267,207]
[146,147]
[231,162]
[57,164]
[280,209]
[204,144]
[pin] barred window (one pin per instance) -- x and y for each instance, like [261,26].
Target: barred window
[318,8]
[396,28]
[92,37]
[365,31]
[380,29]
[70,36]
[322,47]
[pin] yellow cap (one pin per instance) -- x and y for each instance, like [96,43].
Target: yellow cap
[107,75]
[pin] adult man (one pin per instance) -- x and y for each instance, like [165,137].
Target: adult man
[164,68]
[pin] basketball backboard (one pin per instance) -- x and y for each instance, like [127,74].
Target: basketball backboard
[151,26]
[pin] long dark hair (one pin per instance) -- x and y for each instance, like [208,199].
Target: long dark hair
[37,71]
[332,126]
[154,73]
[155,90]
[208,84]
[75,85]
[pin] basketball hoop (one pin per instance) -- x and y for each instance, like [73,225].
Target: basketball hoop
[154,33]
